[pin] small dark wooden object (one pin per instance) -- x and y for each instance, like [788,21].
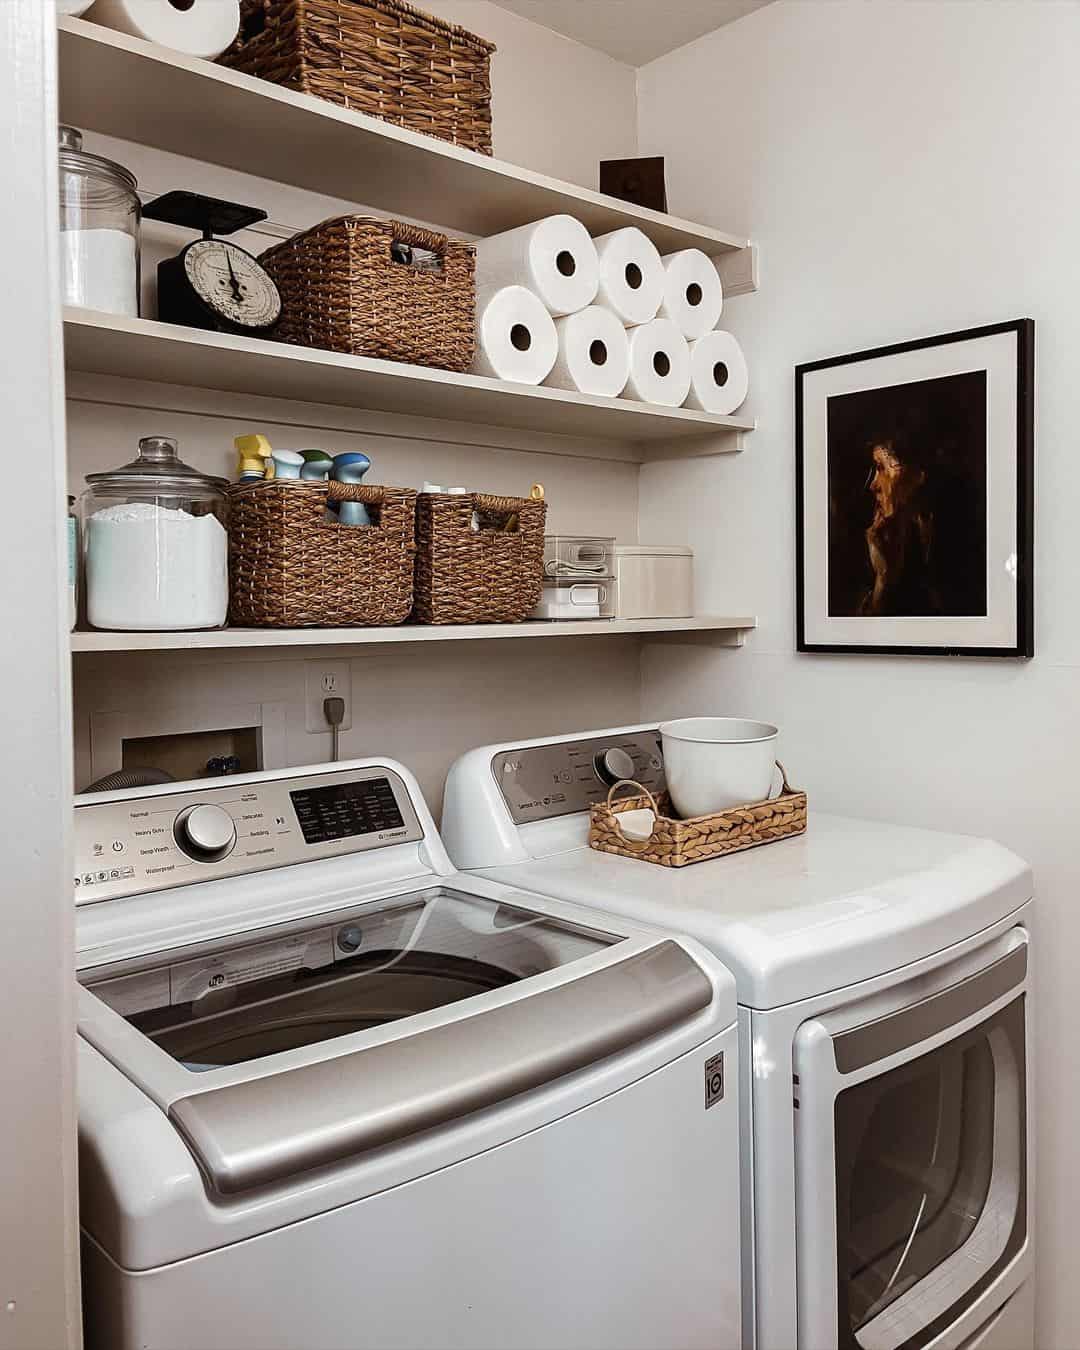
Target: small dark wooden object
[640,181]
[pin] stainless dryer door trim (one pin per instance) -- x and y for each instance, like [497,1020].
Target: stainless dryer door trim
[262,1130]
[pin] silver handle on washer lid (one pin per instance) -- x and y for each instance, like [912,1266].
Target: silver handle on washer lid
[262,1130]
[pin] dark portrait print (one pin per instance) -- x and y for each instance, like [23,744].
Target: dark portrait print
[907,474]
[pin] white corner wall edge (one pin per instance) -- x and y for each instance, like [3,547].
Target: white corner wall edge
[39,1236]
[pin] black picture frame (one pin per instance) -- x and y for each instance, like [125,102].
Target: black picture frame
[1024,645]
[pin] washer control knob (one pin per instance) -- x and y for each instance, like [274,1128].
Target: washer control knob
[350,938]
[205,833]
[613,764]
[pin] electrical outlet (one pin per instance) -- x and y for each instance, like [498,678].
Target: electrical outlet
[323,680]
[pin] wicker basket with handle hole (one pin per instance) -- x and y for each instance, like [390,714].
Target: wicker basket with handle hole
[291,565]
[490,575]
[678,843]
[380,57]
[342,290]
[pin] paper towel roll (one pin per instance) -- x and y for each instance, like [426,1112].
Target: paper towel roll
[693,296]
[594,353]
[719,380]
[554,258]
[631,275]
[515,336]
[203,28]
[659,364]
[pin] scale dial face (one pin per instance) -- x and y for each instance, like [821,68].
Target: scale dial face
[232,284]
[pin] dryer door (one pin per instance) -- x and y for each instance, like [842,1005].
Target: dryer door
[911,1156]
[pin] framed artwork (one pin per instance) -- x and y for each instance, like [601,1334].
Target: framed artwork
[915,484]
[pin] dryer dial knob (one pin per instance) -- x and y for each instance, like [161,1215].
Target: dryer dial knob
[205,833]
[614,764]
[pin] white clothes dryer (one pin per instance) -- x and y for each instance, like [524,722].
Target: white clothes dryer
[884,985]
[335,1096]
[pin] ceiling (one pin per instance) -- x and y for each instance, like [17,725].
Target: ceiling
[634,31]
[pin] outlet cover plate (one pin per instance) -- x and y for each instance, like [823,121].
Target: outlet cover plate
[322,680]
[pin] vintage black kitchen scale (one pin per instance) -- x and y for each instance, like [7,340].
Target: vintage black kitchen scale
[213,283]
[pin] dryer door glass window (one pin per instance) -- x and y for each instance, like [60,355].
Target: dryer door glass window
[241,1001]
[930,1182]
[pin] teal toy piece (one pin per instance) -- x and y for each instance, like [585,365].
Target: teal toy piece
[350,467]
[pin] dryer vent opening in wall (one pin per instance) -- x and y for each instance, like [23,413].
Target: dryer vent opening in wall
[195,754]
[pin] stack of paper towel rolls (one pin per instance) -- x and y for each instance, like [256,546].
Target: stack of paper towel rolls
[605,316]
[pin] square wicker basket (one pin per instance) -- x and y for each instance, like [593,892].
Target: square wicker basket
[678,843]
[380,57]
[490,575]
[292,566]
[341,290]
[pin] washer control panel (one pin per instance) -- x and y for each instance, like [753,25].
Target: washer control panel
[225,828]
[542,781]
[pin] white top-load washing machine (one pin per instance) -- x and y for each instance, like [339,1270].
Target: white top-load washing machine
[884,986]
[333,1094]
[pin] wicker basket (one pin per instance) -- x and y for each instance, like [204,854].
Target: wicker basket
[341,290]
[291,567]
[678,843]
[380,57]
[490,575]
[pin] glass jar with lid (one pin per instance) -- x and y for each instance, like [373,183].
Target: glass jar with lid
[155,545]
[99,230]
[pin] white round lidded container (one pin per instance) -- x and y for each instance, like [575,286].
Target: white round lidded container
[155,545]
[714,763]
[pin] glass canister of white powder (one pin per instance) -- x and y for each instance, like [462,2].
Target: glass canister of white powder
[100,214]
[155,544]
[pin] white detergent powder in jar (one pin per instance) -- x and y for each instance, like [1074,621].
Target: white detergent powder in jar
[149,567]
[156,550]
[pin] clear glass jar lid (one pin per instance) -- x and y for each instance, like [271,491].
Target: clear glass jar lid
[74,159]
[159,462]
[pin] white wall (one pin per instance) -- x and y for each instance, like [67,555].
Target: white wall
[426,706]
[39,1236]
[558,107]
[908,168]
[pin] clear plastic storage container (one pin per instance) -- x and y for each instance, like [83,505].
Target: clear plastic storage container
[155,544]
[575,556]
[99,230]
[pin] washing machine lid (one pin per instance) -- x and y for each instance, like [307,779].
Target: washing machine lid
[847,901]
[278,1054]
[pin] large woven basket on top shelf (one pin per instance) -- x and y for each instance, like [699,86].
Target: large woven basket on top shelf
[292,566]
[341,290]
[493,574]
[381,57]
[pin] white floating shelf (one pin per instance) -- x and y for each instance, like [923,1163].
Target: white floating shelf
[723,630]
[122,86]
[143,349]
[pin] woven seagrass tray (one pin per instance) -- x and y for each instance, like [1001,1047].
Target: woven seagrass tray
[678,843]
[493,574]
[380,57]
[342,291]
[292,565]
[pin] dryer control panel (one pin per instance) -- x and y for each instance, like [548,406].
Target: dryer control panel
[542,781]
[150,841]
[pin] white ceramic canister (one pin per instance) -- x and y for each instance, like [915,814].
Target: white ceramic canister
[714,763]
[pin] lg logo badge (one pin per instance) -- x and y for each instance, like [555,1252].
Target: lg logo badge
[714,1080]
